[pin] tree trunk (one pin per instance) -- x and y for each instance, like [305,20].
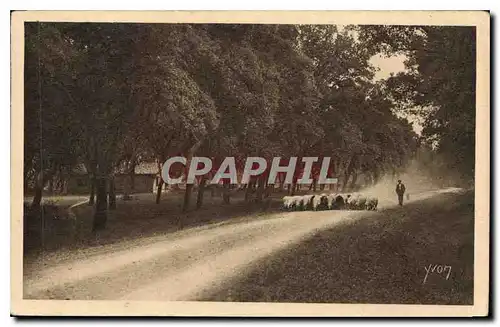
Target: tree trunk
[376,176]
[201,191]
[159,187]
[51,186]
[269,188]
[315,184]
[249,189]
[59,185]
[282,184]
[37,199]
[127,187]
[101,208]
[354,180]
[347,172]
[189,187]
[292,188]
[247,192]
[132,181]
[261,189]
[225,193]
[65,187]
[187,197]
[92,191]
[347,176]
[112,194]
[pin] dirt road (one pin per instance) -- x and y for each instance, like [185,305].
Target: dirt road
[186,265]
[63,201]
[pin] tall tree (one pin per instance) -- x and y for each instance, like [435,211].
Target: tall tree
[439,85]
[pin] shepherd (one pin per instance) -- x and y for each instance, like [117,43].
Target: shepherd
[400,191]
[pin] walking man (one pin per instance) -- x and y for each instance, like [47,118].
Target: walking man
[400,190]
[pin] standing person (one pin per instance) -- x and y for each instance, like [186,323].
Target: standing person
[400,190]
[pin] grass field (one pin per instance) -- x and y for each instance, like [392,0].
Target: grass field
[382,258]
[141,218]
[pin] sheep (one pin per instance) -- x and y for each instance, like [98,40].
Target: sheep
[360,202]
[300,203]
[287,202]
[295,203]
[316,202]
[350,201]
[338,202]
[308,202]
[331,200]
[324,202]
[356,201]
[320,202]
[371,203]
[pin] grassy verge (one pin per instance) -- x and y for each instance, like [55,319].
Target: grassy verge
[139,219]
[382,258]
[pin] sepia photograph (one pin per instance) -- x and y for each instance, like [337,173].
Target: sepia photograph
[237,163]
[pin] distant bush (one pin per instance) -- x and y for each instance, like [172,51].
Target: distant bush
[127,197]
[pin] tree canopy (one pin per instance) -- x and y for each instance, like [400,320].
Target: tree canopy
[112,95]
[439,84]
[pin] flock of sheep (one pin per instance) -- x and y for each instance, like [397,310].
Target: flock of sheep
[351,201]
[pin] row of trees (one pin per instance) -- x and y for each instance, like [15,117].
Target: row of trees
[438,85]
[114,95]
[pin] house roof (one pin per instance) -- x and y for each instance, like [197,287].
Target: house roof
[144,168]
[79,170]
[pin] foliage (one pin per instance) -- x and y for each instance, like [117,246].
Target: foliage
[114,95]
[439,85]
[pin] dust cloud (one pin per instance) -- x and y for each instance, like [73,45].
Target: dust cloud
[416,179]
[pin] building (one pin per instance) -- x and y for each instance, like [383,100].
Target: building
[142,181]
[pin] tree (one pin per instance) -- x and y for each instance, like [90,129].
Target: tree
[355,113]
[213,90]
[101,105]
[439,85]
[52,138]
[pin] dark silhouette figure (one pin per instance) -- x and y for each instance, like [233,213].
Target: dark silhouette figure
[400,191]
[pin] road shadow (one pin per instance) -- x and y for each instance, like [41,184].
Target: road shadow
[381,258]
[134,219]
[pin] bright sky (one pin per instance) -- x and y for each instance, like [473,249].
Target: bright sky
[387,65]
[393,65]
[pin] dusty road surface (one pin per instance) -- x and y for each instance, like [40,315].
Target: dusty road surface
[193,264]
